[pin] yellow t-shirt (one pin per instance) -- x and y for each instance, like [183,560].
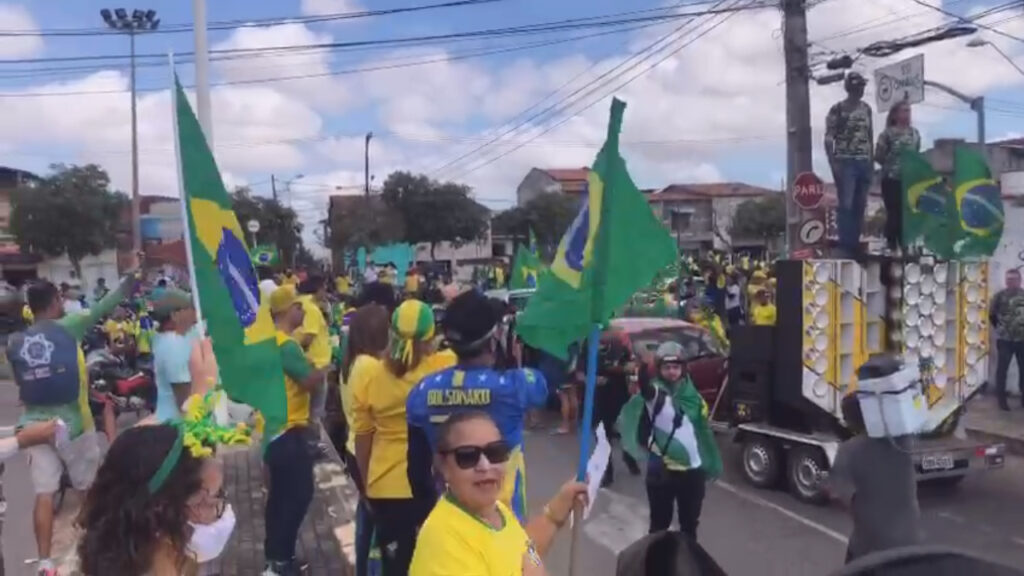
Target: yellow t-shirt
[453,541]
[363,369]
[294,364]
[412,283]
[763,315]
[342,285]
[319,350]
[379,409]
[290,280]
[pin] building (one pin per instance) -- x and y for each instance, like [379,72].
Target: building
[541,180]
[699,216]
[1003,156]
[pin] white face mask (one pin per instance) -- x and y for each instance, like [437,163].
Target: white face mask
[208,540]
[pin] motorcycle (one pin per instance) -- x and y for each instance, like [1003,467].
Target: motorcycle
[113,381]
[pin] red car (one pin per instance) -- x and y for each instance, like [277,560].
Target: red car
[705,362]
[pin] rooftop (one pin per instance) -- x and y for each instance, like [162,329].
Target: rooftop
[568,174]
[709,190]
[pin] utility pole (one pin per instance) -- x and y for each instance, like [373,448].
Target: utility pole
[273,187]
[139,21]
[366,173]
[202,50]
[799,154]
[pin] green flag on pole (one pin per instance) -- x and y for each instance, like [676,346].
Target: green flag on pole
[979,205]
[614,247]
[928,210]
[265,255]
[224,279]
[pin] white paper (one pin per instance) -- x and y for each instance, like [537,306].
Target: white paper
[596,467]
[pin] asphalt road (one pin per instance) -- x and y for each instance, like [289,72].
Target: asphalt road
[758,532]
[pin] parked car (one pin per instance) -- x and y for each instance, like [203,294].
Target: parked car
[706,363]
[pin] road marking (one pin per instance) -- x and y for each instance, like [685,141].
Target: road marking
[621,523]
[782,510]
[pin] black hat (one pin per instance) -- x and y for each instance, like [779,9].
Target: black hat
[469,320]
[854,79]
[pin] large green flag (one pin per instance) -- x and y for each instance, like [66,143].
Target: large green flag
[979,205]
[265,255]
[928,210]
[614,247]
[237,318]
[526,267]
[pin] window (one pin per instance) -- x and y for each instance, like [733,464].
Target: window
[696,342]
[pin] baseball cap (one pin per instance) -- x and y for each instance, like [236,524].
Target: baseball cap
[282,298]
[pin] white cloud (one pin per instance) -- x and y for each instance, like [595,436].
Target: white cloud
[328,7]
[14,17]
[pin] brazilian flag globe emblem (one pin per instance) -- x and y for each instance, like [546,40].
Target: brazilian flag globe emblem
[237,317]
[979,204]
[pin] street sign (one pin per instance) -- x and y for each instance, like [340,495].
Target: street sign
[902,81]
[253,226]
[808,190]
[812,231]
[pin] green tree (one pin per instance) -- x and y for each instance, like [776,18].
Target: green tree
[763,218]
[513,222]
[435,212]
[366,222]
[72,211]
[549,215]
[279,224]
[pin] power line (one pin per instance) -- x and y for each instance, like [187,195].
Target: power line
[676,50]
[557,106]
[968,21]
[237,24]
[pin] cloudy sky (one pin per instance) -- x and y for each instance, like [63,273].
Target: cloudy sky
[706,104]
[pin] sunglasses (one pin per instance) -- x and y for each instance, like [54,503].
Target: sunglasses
[466,457]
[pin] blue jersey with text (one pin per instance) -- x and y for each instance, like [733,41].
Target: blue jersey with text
[505,396]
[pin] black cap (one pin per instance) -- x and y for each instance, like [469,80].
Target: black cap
[469,320]
[855,79]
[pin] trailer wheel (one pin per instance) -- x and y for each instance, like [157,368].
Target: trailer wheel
[806,470]
[762,461]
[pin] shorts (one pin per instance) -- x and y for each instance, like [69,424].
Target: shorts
[81,456]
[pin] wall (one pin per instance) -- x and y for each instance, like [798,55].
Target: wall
[1000,158]
[535,183]
[163,222]
[104,265]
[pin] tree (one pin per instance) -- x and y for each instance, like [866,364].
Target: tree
[549,215]
[279,224]
[435,212]
[366,222]
[763,218]
[72,211]
[513,222]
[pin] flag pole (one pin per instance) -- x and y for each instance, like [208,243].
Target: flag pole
[182,202]
[585,425]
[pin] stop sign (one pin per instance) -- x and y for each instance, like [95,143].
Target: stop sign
[808,190]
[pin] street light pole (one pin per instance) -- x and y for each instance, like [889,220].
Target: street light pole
[139,21]
[366,173]
[202,70]
[977,104]
[978,42]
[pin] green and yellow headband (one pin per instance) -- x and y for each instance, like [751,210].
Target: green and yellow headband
[412,321]
[199,432]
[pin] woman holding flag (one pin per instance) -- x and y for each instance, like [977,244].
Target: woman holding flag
[898,136]
[668,422]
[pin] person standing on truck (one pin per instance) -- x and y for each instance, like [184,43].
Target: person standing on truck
[1007,316]
[49,368]
[874,479]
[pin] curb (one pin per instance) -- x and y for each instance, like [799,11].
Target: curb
[1013,445]
[333,482]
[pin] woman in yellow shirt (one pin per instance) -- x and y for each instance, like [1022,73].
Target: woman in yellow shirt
[382,432]
[470,531]
[367,340]
[763,312]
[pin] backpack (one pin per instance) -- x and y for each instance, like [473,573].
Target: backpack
[44,360]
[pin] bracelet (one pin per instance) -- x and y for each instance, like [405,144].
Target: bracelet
[551,517]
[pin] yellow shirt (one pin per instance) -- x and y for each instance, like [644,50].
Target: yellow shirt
[379,409]
[412,283]
[319,350]
[363,369]
[294,364]
[454,542]
[763,315]
[26,314]
[290,280]
[342,285]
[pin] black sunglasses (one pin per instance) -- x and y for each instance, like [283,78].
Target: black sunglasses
[467,457]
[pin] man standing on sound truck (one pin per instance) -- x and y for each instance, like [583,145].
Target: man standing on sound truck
[849,136]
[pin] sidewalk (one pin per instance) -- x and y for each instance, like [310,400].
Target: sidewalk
[985,421]
[327,532]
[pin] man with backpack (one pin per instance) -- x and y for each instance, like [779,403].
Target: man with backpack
[49,368]
[668,422]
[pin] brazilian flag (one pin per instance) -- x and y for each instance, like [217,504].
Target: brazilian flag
[614,247]
[979,205]
[526,267]
[237,318]
[929,213]
[265,255]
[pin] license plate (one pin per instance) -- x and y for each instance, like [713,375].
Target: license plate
[936,462]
